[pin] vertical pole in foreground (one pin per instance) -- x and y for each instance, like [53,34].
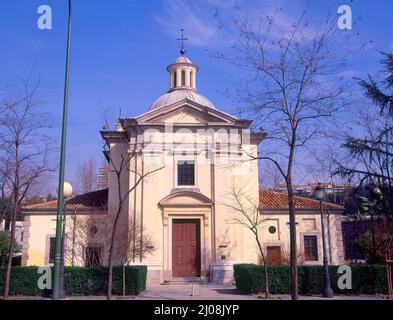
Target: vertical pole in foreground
[60,196]
[327,291]
[61,286]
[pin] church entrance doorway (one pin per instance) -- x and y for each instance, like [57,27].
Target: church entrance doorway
[186,248]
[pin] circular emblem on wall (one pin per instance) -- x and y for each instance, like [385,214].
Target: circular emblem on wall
[272,229]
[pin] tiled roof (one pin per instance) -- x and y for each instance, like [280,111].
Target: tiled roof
[277,200]
[96,200]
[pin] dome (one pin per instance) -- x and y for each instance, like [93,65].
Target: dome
[179,95]
[182,80]
[183,59]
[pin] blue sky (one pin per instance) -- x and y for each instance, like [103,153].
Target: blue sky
[120,50]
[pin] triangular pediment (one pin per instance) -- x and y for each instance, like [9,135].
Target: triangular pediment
[186,112]
[187,115]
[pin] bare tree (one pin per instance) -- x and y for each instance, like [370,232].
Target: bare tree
[87,176]
[122,165]
[295,85]
[5,194]
[269,176]
[246,213]
[132,249]
[141,248]
[286,255]
[86,231]
[5,174]
[26,146]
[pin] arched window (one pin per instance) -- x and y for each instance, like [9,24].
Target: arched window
[175,79]
[183,78]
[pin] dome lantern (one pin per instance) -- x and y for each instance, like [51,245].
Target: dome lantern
[182,74]
[182,85]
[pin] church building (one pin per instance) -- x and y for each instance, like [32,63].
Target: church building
[199,153]
[181,179]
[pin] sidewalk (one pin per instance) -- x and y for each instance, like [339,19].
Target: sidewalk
[202,292]
[222,292]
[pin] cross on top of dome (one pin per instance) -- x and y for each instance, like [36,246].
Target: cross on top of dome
[182,82]
[182,39]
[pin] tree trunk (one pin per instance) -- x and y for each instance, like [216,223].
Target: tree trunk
[11,249]
[110,259]
[13,223]
[292,222]
[124,282]
[110,271]
[265,266]
[293,246]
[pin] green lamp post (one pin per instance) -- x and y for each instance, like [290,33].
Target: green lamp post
[327,291]
[60,197]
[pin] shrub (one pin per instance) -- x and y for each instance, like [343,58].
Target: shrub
[5,237]
[366,279]
[23,281]
[78,281]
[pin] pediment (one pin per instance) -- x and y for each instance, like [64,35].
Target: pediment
[186,112]
[187,198]
[186,115]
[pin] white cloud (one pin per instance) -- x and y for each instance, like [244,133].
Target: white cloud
[198,24]
[201,28]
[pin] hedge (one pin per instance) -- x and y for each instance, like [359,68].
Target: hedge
[366,279]
[78,281]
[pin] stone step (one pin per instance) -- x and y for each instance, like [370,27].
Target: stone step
[185,281]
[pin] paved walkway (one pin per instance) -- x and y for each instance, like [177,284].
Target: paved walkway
[221,292]
[202,292]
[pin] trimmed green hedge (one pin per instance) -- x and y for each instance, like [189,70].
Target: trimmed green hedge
[366,279]
[79,281]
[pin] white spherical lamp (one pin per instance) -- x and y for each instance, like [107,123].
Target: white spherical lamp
[67,191]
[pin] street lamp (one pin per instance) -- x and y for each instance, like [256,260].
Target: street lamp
[60,195]
[67,194]
[327,291]
[376,194]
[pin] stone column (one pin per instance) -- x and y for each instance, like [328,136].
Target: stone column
[178,75]
[171,79]
[193,77]
[188,79]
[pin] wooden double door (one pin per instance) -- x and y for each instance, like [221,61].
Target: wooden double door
[186,248]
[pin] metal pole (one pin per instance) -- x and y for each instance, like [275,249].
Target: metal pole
[62,292]
[373,236]
[60,197]
[327,291]
[329,238]
[73,239]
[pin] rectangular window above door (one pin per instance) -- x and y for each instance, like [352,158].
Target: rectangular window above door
[186,173]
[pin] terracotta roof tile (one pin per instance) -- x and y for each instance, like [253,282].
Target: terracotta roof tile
[278,200]
[96,200]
